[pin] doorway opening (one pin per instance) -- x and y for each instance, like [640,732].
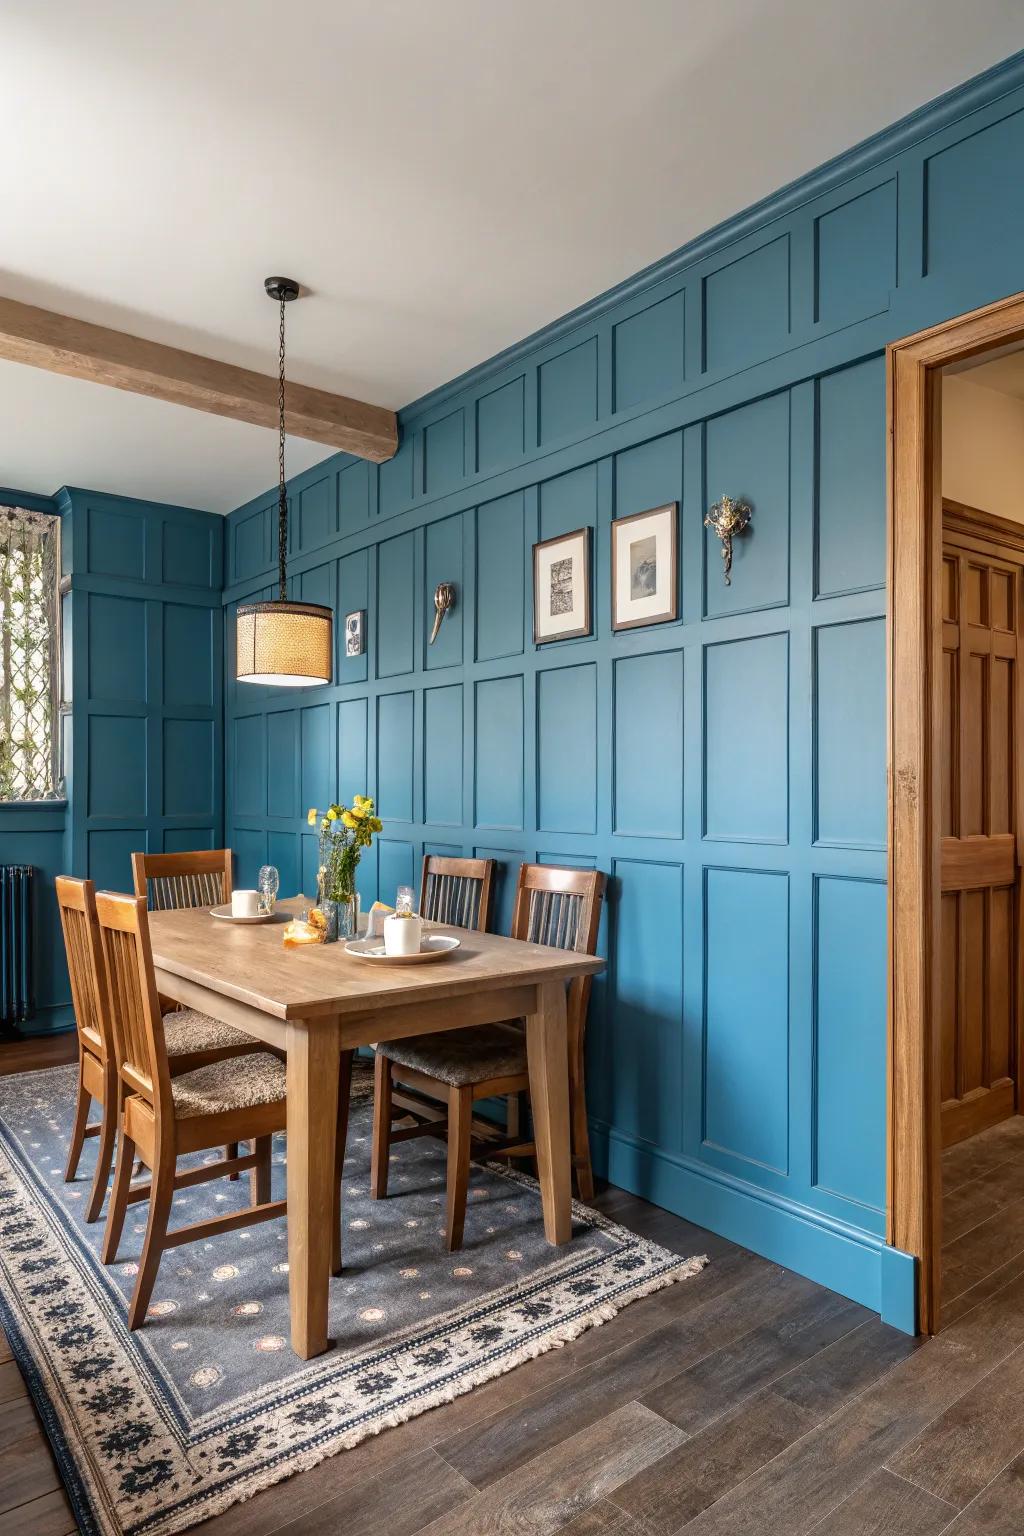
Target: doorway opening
[956,802]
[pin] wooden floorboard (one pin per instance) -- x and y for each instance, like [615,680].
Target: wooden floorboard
[745,1402]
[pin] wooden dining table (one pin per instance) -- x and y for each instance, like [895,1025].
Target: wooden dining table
[316,1001]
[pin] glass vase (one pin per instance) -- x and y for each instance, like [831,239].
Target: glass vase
[342,918]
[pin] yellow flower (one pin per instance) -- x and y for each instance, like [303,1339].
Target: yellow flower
[358,802]
[332,814]
[349,819]
[311,816]
[324,825]
[376,825]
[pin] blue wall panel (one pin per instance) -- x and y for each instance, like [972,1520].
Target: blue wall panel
[648,785]
[567,749]
[500,426]
[352,749]
[189,767]
[499,753]
[746,702]
[746,1022]
[500,589]
[117,649]
[747,458]
[395,755]
[282,763]
[736,1051]
[649,357]
[443,562]
[443,750]
[849,705]
[567,391]
[849,1088]
[855,256]
[746,307]
[396,607]
[850,545]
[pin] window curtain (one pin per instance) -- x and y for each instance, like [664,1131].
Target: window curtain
[29,629]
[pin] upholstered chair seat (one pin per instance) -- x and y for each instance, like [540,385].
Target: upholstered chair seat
[186,1030]
[241,1082]
[459,1057]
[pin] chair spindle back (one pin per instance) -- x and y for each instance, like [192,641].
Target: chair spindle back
[457,892]
[76,901]
[561,908]
[135,1007]
[172,880]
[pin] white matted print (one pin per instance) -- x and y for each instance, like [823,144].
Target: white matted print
[644,567]
[561,587]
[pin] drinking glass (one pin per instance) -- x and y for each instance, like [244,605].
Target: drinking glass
[268,884]
[405,900]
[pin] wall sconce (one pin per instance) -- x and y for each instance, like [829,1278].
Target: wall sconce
[444,600]
[728,519]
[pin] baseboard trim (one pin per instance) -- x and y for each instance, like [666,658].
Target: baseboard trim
[48,1021]
[854,1263]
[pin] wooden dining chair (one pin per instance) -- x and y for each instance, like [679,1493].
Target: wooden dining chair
[192,1039]
[165,1116]
[201,878]
[560,907]
[457,892]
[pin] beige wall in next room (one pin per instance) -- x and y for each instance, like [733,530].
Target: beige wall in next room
[982,447]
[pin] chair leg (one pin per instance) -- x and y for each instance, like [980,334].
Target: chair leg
[580,1132]
[513,1114]
[259,1177]
[381,1150]
[118,1197]
[231,1150]
[78,1132]
[104,1152]
[160,1198]
[340,1138]
[460,1121]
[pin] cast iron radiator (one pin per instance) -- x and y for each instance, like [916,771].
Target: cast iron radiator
[16,1000]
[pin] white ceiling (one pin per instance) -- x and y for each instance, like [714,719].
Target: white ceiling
[444,178]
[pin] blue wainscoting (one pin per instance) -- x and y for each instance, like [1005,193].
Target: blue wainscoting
[143,747]
[146,762]
[727,769]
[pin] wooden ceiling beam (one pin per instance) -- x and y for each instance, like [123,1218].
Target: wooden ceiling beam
[84,351]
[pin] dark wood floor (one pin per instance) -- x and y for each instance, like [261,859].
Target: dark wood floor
[746,1402]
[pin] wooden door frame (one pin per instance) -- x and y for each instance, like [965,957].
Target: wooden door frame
[914,1194]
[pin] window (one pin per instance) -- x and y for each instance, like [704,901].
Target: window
[29,654]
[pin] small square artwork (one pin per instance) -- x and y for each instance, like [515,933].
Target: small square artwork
[561,587]
[644,568]
[354,633]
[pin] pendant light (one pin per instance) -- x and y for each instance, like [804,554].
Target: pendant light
[280,643]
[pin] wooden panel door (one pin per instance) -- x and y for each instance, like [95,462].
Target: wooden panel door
[983,564]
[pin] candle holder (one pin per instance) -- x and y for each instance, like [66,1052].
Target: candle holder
[728,519]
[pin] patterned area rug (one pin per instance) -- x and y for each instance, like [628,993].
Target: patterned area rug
[206,1405]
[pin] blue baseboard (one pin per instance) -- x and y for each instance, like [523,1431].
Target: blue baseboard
[856,1264]
[48,1021]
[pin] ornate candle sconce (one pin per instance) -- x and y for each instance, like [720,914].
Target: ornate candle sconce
[728,519]
[444,600]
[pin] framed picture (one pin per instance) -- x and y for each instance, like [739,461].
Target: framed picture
[354,633]
[561,587]
[645,567]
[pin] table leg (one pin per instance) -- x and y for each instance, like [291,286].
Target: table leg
[313,1056]
[547,1055]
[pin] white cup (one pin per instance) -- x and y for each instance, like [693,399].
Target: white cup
[402,935]
[245,903]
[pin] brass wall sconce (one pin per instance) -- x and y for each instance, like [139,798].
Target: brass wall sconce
[444,601]
[728,519]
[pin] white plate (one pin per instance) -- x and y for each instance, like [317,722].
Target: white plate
[434,947]
[227,916]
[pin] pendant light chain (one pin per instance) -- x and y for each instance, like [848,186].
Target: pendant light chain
[282,508]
